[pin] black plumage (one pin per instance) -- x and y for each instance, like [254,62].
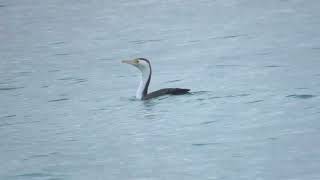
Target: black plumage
[166,91]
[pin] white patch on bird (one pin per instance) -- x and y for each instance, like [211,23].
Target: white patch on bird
[144,67]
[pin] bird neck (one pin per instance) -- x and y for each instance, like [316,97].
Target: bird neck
[144,83]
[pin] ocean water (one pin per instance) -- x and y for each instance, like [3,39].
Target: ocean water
[68,110]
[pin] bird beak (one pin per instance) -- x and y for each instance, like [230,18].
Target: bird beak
[128,62]
[132,62]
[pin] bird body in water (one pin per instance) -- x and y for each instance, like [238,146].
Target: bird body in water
[144,66]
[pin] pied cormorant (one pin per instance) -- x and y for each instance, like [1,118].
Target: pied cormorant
[144,66]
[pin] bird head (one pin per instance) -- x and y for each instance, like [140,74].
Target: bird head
[141,63]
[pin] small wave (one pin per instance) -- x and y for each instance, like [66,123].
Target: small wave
[65,78]
[211,96]
[25,72]
[54,70]
[16,123]
[229,36]
[243,95]
[177,80]
[9,116]
[214,97]
[200,92]
[272,66]
[62,54]
[162,98]
[58,43]
[237,95]
[38,156]
[44,86]
[10,88]
[145,41]
[301,96]
[251,102]
[56,100]
[40,175]
[193,41]
[227,65]
[74,80]
[30,175]
[273,138]
[104,59]
[204,144]
[79,80]
[208,122]
[200,99]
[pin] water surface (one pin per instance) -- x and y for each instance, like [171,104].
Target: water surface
[67,103]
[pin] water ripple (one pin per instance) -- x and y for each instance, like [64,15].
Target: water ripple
[263,53]
[177,80]
[208,122]
[301,96]
[207,95]
[200,92]
[214,97]
[204,144]
[229,36]
[251,102]
[73,80]
[10,88]
[65,78]
[31,175]
[62,54]
[145,41]
[42,155]
[56,100]
[104,59]
[9,116]
[272,66]
[237,95]
[40,175]
[54,70]
[57,43]
[228,65]
[16,123]
[273,138]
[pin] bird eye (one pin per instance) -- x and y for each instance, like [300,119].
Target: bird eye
[136,61]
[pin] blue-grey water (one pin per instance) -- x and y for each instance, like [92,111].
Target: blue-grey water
[68,110]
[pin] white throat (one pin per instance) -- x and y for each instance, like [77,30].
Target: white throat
[145,74]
